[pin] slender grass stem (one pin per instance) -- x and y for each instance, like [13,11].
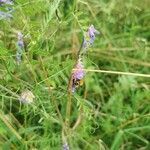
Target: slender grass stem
[68,108]
[2,117]
[117,72]
[80,116]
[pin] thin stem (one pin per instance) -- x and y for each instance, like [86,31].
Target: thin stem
[11,128]
[80,116]
[68,108]
[117,72]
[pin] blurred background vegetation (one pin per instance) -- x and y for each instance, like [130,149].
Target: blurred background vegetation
[114,110]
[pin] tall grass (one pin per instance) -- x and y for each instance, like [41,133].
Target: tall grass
[111,110]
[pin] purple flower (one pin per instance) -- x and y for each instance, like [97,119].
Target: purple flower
[92,32]
[9,2]
[5,15]
[20,47]
[89,37]
[77,75]
[8,14]
[65,146]
[20,42]
[78,72]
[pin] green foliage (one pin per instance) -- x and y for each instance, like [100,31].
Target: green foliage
[109,111]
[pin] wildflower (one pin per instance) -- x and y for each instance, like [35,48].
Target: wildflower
[20,40]
[78,71]
[26,97]
[65,146]
[92,31]
[77,75]
[20,48]
[9,2]
[5,15]
[8,13]
[89,37]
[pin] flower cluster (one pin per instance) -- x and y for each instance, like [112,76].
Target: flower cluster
[89,38]
[20,47]
[77,75]
[65,146]
[6,14]
[78,71]
[9,2]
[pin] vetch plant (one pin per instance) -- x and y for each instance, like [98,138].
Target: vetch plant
[8,13]
[78,72]
[5,15]
[108,111]
[20,48]
[78,75]
[89,38]
[9,2]
[65,146]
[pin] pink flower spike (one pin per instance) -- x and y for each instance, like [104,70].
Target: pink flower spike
[78,73]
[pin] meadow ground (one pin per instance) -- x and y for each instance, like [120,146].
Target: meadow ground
[39,44]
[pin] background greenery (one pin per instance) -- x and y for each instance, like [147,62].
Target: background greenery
[114,110]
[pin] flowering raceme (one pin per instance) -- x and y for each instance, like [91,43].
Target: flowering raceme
[77,75]
[65,146]
[78,71]
[20,47]
[20,42]
[6,14]
[9,2]
[89,38]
